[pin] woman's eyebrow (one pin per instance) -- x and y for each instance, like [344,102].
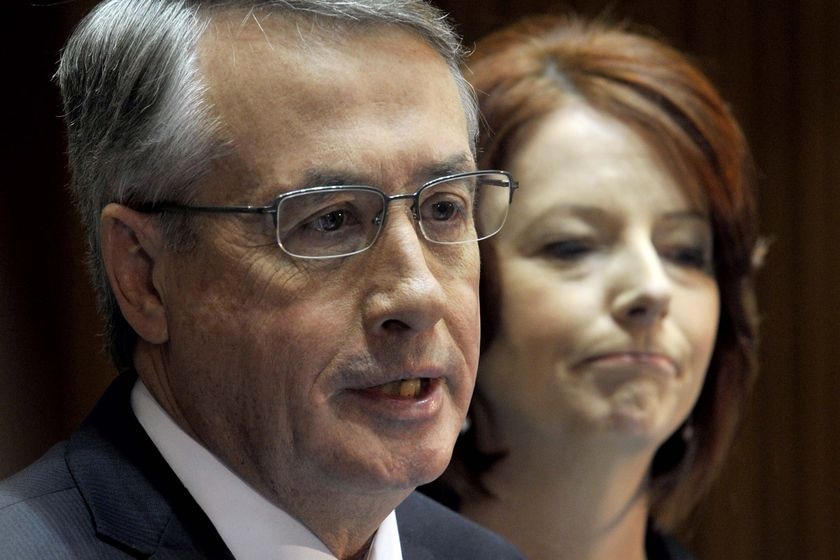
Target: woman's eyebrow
[686,215]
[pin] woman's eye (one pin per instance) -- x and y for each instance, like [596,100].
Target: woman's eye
[568,250]
[693,257]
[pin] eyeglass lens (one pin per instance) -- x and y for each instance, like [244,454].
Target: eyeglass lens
[347,220]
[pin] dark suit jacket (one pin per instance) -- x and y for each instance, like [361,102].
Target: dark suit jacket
[108,493]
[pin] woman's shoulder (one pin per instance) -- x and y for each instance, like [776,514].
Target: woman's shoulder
[659,546]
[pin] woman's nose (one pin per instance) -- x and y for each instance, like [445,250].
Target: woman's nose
[643,288]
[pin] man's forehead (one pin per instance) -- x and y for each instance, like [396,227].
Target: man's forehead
[303,112]
[297,35]
[276,59]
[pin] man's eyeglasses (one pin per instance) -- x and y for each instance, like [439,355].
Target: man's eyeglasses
[342,220]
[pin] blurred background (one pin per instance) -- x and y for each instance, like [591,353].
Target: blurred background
[776,61]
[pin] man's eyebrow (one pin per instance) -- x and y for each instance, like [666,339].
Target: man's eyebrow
[325,177]
[322,177]
[458,163]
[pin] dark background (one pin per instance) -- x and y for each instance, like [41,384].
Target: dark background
[775,60]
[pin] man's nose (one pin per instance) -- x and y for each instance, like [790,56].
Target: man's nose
[405,290]
[642,288]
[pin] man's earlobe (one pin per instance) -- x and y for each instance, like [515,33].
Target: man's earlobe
[130,247]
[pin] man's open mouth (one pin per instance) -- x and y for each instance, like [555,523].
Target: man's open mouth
[414,388]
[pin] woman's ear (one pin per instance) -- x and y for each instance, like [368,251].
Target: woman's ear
[131,247]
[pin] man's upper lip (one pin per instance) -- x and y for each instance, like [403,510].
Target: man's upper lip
[367,380]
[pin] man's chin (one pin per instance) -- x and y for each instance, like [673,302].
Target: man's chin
[397,470]
[424,466]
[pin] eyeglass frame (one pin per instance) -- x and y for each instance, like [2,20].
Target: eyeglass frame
[272,209]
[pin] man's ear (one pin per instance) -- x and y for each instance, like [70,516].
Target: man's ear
[131,245]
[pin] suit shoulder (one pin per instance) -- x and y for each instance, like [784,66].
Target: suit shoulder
[439,532]
[42,513]
[44,477]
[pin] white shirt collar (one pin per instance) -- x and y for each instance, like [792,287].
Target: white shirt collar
[250,525]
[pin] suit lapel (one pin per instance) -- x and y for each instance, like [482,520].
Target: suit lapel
[135,499]
[414,541]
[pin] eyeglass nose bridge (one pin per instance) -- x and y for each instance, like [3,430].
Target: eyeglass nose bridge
[380,219]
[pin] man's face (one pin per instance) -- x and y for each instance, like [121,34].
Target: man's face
[289,370]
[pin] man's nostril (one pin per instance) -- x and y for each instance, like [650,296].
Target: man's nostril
[394,325]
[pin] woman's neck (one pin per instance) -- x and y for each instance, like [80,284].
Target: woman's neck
[578,500]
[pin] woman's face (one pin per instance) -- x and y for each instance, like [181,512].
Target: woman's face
[609,307]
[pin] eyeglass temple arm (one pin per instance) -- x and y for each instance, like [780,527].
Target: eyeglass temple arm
[512,185]
[156,207]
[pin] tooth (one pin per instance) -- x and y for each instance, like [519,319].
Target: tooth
[410,388]
[392,389]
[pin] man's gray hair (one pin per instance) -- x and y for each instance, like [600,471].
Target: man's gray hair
[139,129]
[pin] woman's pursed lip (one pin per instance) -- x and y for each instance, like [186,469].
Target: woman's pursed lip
[655,360]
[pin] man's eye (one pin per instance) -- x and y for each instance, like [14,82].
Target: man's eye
[443,211]
[330,221]
[568,250]
[445,207]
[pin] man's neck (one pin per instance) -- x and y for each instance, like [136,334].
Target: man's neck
[346,524]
